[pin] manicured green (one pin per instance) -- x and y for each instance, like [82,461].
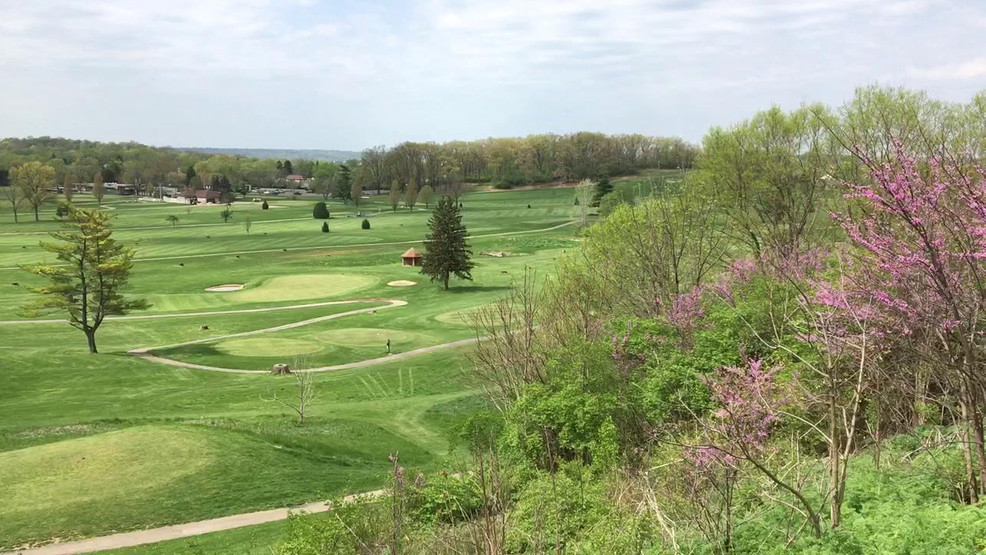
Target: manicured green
[93,444]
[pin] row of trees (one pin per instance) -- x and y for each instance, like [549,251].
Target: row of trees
[443,167]
[517,161]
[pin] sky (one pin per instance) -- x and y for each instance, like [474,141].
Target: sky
[353,74]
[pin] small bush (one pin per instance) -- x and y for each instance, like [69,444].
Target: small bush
[311,535]
[445,497]
[325,227]
[321,211]
[366,224]
[265,206]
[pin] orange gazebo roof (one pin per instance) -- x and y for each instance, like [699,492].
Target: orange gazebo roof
[411,253]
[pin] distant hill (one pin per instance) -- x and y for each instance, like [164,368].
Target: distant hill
[281,154]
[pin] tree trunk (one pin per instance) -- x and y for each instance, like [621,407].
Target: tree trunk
[91,337]
[36,214]
[967,447]
[835,509]
[445,281]
[977,430]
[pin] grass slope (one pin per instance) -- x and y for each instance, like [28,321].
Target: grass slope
[195,444]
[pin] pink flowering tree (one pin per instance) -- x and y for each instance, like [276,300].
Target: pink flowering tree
[750,402]
[825,327]
[920,227]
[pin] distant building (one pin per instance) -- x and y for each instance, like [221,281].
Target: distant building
[294,178]
[120,189]
[411,258]
[196,196]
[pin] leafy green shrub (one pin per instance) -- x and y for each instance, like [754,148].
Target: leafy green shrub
[325,227]
[579,404]
[366,223]
[510,179]
[315,535]
[347,528]
[446,498]
[321,211]
[622,194]
[265,206]
[570,509]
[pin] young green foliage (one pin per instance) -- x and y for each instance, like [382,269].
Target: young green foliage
[94,269]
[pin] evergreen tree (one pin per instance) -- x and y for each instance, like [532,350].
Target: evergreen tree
[320,211]
[325,227]
[446,251]
[344,183]
[88,282]
[603,188]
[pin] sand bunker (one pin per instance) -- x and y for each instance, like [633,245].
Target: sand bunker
[402,283]
[225,287]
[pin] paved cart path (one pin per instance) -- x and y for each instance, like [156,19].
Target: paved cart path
[189,529]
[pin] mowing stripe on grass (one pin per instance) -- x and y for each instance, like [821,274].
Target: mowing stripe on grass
[329,248]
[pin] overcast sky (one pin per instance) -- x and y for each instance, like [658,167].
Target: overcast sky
[347,75]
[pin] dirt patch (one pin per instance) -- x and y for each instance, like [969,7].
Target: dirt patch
[402,283]
[225,288]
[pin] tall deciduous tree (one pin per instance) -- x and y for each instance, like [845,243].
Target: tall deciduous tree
[98,190]
[770,174]
[584,193]
[67,187]
[425,195]
[446,250]
[356,192]
[411,195]
[395,195]
[33,180]
[13,195]
[93,270]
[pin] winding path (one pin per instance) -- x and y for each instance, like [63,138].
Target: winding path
[189,529]
[147,352]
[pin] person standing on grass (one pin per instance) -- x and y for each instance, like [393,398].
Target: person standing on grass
[388,346]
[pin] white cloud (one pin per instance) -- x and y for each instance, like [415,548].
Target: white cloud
[269,72]
[972,69]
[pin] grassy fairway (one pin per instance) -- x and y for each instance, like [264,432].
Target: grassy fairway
[92,444]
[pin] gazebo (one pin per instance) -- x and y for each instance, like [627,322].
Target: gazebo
[411,258]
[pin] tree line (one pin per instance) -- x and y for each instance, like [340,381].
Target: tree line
[447,167]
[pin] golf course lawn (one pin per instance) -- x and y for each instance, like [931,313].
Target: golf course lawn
[96,444]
